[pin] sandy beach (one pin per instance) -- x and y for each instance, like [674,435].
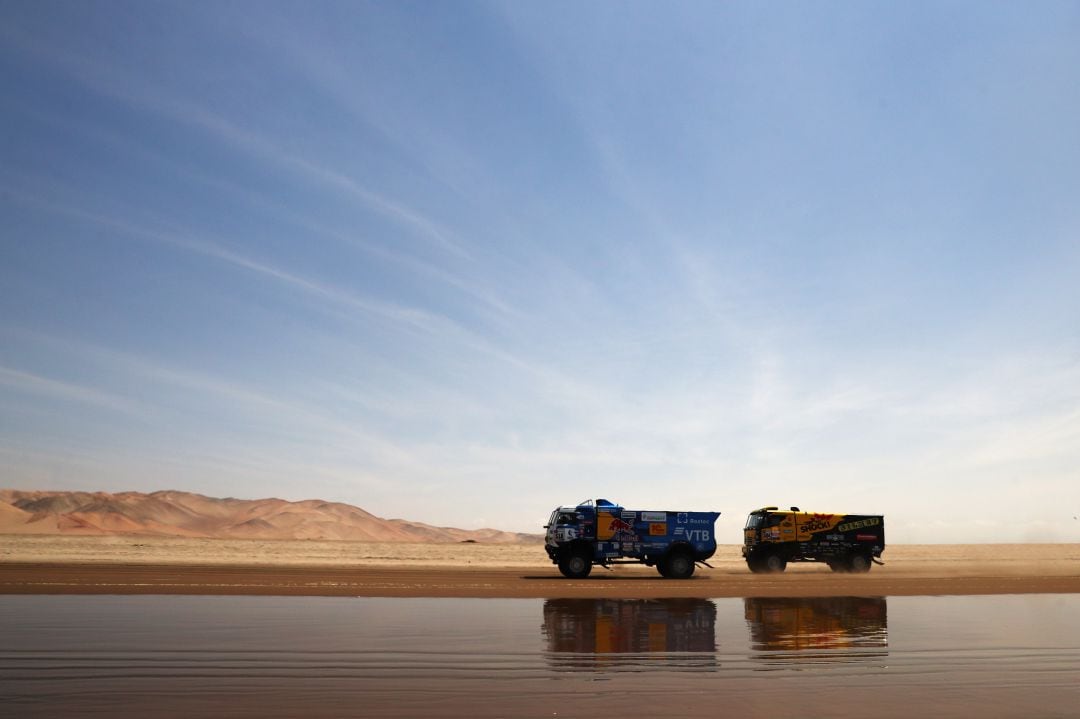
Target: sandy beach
[111,565]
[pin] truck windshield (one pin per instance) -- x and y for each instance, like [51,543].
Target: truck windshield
[754,521]
[566,518]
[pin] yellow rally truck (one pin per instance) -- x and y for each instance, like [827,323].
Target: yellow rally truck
[846,542]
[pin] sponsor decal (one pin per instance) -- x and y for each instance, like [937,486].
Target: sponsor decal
[865,537]
[870,522]
[654,516]
[816,523]
[682,518]
[614,528]
[658,529]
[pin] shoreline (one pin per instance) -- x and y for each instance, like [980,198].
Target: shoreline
[138,565]
[501,582]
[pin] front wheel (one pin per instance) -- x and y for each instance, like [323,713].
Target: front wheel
[774,564]
[575,566]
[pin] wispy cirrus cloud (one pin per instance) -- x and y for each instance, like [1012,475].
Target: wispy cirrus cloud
[126,86]
[400,314]
[19,380]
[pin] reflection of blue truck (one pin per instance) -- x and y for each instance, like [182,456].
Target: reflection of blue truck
[604,533]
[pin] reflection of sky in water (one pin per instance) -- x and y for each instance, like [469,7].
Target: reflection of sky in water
[289,656]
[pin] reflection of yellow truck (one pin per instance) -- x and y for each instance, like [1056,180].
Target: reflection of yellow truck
[846,542]
[817,623]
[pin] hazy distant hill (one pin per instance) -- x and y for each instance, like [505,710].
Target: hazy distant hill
[182,514]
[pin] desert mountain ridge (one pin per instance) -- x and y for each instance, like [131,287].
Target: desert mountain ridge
[170,513]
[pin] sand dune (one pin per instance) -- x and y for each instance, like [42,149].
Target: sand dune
[183,514]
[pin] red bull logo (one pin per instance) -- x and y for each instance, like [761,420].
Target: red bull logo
[620,530]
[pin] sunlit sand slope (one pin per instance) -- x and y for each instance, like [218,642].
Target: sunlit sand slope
[183,514]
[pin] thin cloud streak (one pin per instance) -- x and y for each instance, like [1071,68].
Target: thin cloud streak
[400,315]
[122,85]
[66,391]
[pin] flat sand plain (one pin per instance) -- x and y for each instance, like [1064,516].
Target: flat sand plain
[122,565]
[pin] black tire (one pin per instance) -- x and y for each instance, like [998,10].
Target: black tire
[838,565]
[773,564]
[757,565]
[575,565]
[662,567]
[859,563]
[680,564]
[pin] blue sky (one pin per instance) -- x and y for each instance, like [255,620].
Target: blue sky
[463,262]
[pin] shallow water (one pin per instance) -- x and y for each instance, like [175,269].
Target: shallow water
[312,656]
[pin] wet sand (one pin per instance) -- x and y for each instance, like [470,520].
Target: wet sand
[65,565]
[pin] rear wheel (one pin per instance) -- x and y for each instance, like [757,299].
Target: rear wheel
[680,565]
[859,563]
[575,565]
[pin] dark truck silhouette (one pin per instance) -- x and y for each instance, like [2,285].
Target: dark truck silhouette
[604,533]
[846,542]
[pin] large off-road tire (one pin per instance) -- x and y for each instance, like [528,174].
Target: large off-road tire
[839,565]
[576,564]
[680,564]
[859,563]
[773,563]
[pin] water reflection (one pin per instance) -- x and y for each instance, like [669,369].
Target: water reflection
[630,634]
[818,627]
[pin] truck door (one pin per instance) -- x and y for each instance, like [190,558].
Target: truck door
[788,528]
[605,526]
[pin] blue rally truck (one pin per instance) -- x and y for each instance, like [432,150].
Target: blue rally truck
[604,533]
